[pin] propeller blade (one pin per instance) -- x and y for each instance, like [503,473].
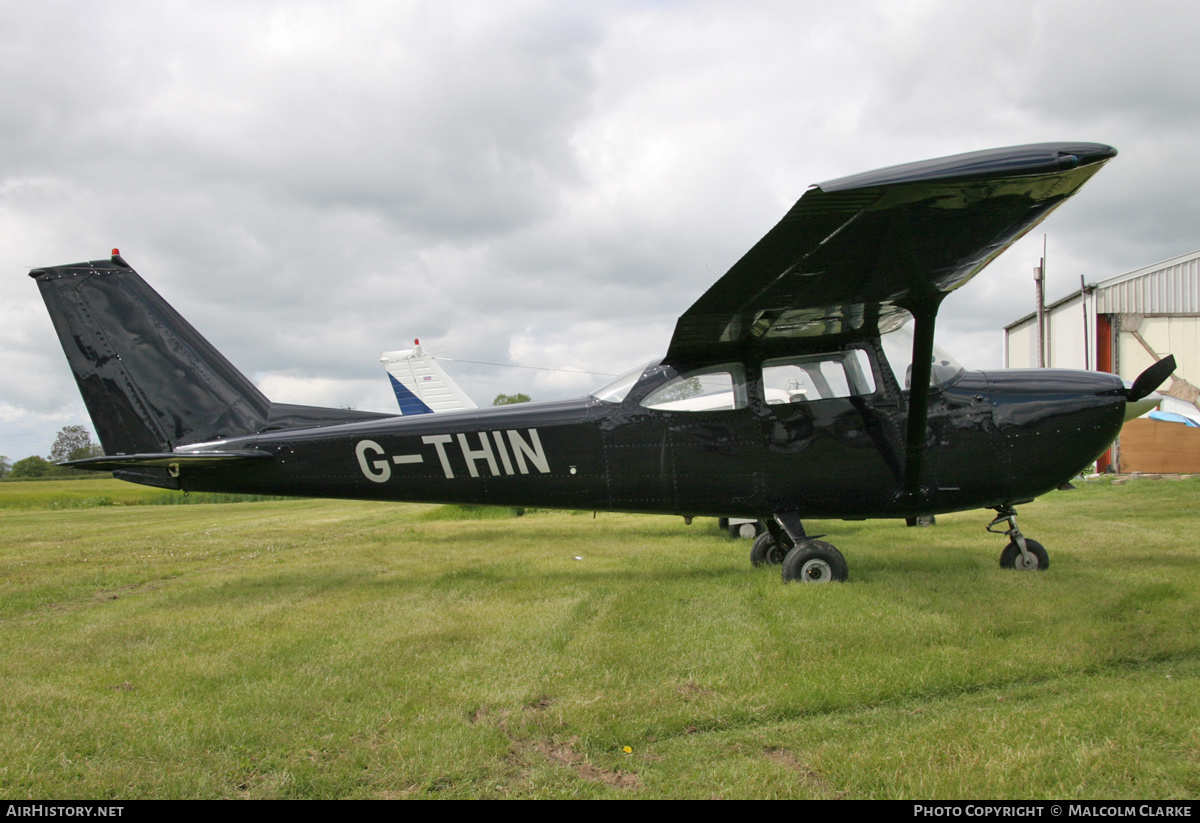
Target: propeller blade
[1150,379]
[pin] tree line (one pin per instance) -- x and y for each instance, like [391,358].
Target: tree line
[71,443]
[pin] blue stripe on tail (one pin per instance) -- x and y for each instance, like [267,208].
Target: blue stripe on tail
[409,402]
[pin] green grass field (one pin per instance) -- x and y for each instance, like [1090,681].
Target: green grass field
[311,648]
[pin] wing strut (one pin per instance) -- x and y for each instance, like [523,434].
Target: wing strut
[924,317]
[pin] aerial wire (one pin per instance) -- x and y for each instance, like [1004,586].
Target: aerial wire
[536,368]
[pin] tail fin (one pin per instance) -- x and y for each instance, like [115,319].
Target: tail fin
[150,381]
[420,384]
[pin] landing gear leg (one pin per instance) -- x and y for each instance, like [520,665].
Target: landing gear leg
[810,560]
[1021,553]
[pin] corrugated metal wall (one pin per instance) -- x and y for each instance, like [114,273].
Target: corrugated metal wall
[1173,288]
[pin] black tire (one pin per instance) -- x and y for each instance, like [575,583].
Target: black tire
[723,523]
[1011,558]
[815,561]
[766,552]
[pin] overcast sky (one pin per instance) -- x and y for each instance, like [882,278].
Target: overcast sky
[539,183]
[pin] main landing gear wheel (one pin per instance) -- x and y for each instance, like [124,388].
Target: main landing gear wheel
[1038,559]
[766,551]
[815,561]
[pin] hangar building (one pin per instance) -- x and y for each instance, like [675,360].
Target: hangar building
[1123,325]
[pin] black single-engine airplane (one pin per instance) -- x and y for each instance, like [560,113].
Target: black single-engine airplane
[791,389]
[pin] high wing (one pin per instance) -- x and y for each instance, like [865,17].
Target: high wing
[858,255]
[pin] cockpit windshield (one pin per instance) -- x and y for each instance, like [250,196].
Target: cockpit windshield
[898,346]
[614,390]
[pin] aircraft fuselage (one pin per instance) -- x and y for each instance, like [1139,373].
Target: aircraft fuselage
[994,439]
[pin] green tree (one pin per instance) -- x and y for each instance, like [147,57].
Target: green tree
[509,399]
[33,467]
[5,466]
[73,443]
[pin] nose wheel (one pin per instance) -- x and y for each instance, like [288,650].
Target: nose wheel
[1035,557]
[1021,553]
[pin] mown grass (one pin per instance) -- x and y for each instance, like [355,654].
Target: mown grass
[334,649]
[89,493]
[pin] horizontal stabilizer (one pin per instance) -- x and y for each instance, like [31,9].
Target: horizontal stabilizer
[165,460]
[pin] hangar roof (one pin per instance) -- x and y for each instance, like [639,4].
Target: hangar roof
[1169,287]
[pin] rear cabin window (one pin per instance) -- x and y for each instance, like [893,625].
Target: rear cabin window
[818,377]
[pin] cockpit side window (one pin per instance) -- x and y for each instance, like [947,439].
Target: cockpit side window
[818,377]
[714,388]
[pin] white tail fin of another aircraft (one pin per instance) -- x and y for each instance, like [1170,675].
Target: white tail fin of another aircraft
[420,384]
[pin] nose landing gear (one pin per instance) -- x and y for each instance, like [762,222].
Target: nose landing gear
[1021,553]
